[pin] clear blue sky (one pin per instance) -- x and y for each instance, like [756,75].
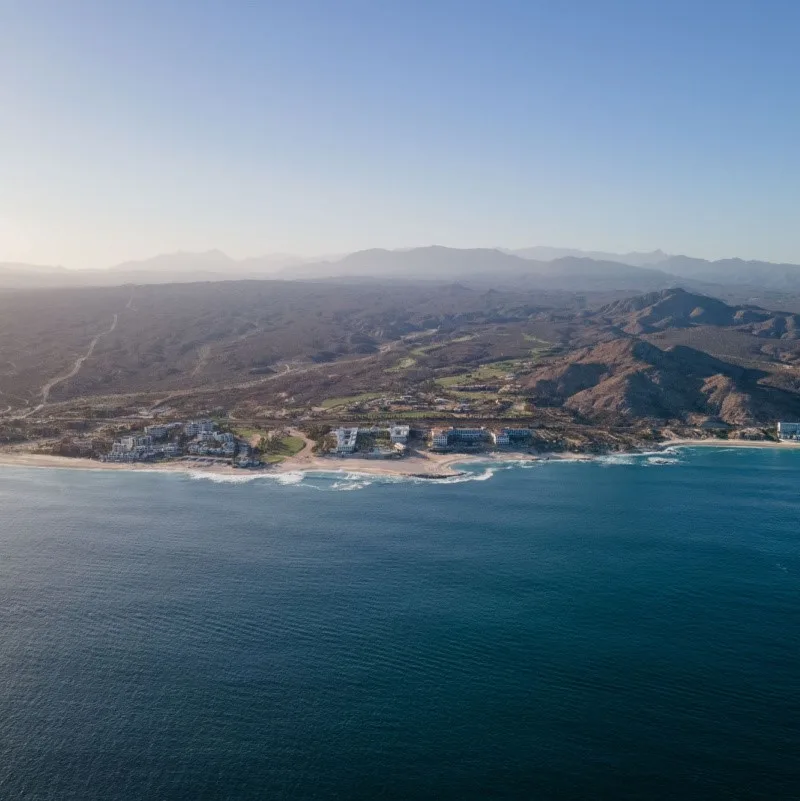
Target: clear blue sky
[131,127]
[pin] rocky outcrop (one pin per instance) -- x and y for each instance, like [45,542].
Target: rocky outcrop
[630,378]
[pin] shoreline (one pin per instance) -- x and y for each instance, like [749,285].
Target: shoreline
[428,465]
[729,443]
[433,466]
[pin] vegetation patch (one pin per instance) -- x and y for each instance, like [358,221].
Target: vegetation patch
[249,433]
[278,447]
[491,372]
[453,380]
[424,350]
[403,364]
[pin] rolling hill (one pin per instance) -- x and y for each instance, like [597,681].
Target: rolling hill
[677,308]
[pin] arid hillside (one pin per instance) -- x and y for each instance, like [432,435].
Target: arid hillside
[676,308]
[632,378]
[178,336]
[294,348]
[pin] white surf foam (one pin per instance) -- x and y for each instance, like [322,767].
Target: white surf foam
[616,460]
[349,481]
[245,478]
[521,464]
[288,479]
[643,458]
[349,486]
[221,478]
[465,477]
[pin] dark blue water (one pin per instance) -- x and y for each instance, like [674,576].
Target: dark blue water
[626,630]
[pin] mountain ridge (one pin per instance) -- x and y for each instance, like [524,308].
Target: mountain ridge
[678,308]
[632,258]
[434,262]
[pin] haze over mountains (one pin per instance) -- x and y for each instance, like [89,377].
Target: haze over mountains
[634,258]
[180,267]
[535,267]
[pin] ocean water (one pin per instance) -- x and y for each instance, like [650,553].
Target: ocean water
[625,629]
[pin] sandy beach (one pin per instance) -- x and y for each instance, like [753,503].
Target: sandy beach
[434,465]
[421,464]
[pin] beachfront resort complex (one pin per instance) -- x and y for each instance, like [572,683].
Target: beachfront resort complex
[201,440]
[206,441]
[377,441]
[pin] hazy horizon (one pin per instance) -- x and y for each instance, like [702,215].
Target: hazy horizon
[335,257]
[312,127]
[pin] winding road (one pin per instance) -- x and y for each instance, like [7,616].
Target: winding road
[203,357]
[48,387]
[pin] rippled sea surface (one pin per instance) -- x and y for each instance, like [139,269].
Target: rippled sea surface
[627,629]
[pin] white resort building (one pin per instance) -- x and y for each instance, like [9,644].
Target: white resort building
[511,436]
[131,449]
[156,432]
[399,434]
[442,438]
[197,427]
[345,440]
[788,430]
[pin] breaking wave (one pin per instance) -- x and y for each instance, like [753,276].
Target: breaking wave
[661,460]
[461,478]
[617,459]
[357,481]
[246,478]
[667,456]
[349,486]
[350,481]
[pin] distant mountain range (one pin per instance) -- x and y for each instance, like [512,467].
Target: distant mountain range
[634,259]
[212,261]
[167,268]
[485,266]
[536,267]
